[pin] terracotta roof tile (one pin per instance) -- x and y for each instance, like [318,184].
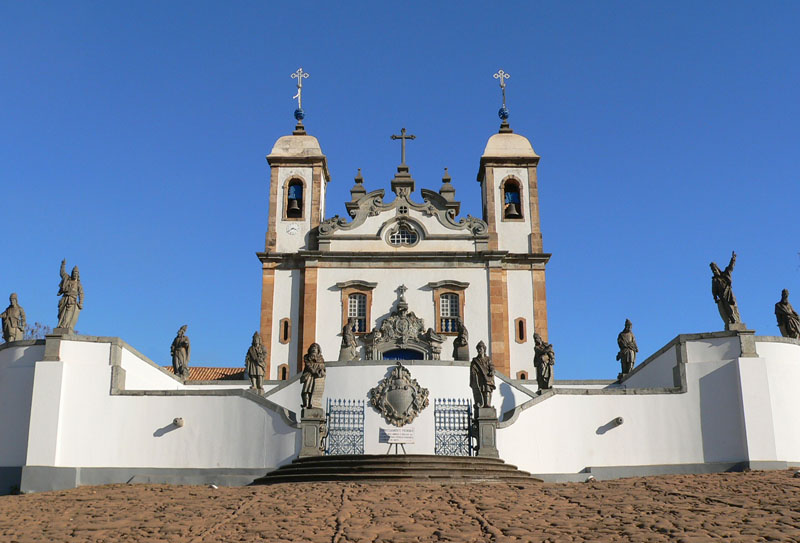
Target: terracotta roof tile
[213,374]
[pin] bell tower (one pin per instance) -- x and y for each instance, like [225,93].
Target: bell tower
[510,199]
[298,179]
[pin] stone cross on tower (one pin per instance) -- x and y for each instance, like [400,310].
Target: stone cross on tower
[403,137]
[299,75]
[502,76]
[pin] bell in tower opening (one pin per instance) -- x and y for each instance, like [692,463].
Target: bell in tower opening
[511,208]
[294,200]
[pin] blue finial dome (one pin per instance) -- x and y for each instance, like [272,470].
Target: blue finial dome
[503,113]
[299,114]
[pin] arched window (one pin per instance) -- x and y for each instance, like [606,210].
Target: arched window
[403,235]
[283,372]
[357,310]
[285,331]
[449,307]
[294,199]
[512,204]
[520,330]
[522,375]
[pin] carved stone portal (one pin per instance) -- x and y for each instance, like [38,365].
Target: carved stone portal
[398,397]
[402,329]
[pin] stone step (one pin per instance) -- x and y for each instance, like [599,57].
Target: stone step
[395,467]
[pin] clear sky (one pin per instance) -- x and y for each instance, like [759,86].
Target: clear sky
[134,135]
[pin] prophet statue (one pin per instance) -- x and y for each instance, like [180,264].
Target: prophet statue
[481,377]
[13,320]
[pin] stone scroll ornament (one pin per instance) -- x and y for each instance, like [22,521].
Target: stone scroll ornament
[398,397]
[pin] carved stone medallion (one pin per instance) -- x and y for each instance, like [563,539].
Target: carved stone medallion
[398,397]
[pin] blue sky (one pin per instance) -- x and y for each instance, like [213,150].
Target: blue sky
[134,134]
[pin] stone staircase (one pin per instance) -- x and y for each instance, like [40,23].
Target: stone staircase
[406,467]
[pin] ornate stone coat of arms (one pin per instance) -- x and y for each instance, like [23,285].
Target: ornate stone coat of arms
[398,397]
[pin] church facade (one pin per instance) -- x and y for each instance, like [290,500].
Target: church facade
[484,274]
[397,295]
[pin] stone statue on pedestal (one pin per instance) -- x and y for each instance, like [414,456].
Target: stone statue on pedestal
[13,320]
[543,360]
[627,349]
[313,378]
[180,351]
[72,298]
[722,289]
[481,377]
[461,342]
[349,348]
[256,363]
[788,320]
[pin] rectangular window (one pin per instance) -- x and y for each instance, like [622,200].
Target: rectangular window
[448,313]
[357,310]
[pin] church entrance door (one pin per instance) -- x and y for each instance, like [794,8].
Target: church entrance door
[403,354]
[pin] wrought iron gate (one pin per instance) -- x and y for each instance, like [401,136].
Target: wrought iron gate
[345,427]
[453,423]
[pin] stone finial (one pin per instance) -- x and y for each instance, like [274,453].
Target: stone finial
[358,189]
[447,191]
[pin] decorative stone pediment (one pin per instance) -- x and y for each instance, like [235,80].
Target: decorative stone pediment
[398,397]
[402,329]
[435,206]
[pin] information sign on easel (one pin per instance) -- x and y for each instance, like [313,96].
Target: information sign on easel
[397,437]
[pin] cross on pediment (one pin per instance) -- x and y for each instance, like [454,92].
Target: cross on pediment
[403,137]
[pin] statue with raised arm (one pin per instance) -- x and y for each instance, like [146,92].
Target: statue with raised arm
[256,363]
[13,320]
[627,349]
[788,320]
[349,349]
[544,359]
[180,351]
[481,377]
[461,342]
[722,289]
[313,377]
[72,298]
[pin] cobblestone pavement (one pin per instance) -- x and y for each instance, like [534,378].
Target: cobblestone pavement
[741,507]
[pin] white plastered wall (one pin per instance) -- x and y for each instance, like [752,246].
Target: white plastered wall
[16,388]
[292,235]
[513,236]
[419,296]
[77,422]
[286,303]
[520,305]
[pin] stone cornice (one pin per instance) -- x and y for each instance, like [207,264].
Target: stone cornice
[288,161]
[504,162]
[406,259]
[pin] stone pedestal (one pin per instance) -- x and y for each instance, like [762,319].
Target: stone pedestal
[61,332]
[486,420]
[461,353]
[313,429]
[735,326]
